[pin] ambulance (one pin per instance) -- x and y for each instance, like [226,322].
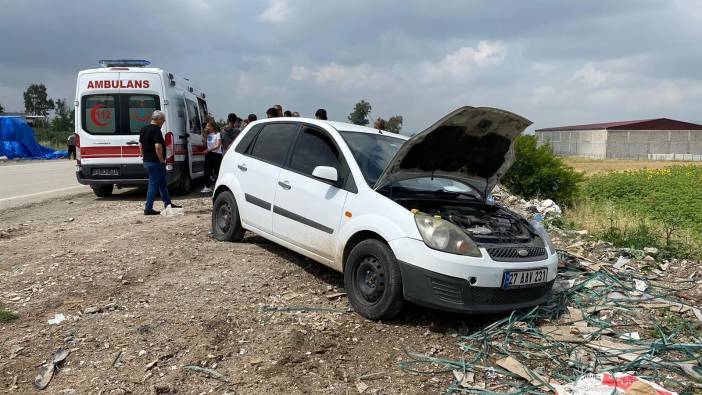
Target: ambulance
[113,103]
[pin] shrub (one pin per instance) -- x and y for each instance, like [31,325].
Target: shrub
[7,315]
[537,171]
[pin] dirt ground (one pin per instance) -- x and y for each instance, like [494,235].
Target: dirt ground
[594,166]
[145,297]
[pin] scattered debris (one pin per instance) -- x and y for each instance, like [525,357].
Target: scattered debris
[361,387]
[335,295]
[210,372]
[46,373]
[58,318]
[608,384]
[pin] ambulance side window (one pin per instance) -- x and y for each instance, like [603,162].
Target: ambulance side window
[181,117]
[194,121]
[203,108]
[100,114]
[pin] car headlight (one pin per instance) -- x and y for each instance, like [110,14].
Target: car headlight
[444,236]
[541,232]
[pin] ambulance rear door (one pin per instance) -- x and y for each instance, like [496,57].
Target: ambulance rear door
[115,105]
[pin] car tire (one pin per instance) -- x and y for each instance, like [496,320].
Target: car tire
[226,223]
[373,280]
[185,184]
[102,190]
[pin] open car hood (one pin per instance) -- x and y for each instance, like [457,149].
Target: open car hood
[474,145]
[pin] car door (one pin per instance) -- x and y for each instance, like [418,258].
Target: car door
[196,143]
[257,171]
[307,210]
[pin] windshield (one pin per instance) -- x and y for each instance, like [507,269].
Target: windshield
[372,152]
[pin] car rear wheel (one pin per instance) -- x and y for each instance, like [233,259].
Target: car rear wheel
[102,190]
[226,223]
[373,281]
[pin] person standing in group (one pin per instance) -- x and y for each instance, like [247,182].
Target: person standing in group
[287,113]
[295,114]
[321,114]
[230,132]
[152,149]
[213,155]
[272,113]
[71,143]
[379,123]
[279,108]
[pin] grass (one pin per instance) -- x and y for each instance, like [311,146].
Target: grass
[644,208]
[7,315]
[601,166]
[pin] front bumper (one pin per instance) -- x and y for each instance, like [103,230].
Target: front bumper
[466,284]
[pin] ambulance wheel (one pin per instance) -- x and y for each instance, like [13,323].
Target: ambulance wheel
[102,190]
[185,184]
[226,223]
[373,280]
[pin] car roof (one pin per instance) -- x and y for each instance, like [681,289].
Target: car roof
[339,126]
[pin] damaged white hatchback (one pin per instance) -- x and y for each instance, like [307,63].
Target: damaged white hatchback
[402,219]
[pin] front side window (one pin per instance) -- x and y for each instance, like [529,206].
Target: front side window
[118,113]
[372,152]
[273,142]
[314,148]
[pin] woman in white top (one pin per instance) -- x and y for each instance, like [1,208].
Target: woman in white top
[213,155]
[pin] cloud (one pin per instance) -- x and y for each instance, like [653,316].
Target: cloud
[277,12]
[460,64]
[590,75]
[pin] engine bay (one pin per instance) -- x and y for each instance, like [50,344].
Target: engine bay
[485,224]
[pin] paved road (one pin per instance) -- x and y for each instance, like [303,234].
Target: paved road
[29,182]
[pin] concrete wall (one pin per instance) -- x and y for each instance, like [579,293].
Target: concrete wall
[588,143]
[655,144]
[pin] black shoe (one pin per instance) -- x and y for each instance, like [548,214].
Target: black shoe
[151,212]
[175,206]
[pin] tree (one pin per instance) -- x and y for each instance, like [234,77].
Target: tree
[2,109]
[36,101]
[63,119]
[394,124]
[359,115]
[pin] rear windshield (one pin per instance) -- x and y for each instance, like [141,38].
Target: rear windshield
[117,113]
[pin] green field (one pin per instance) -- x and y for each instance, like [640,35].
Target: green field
[645,207]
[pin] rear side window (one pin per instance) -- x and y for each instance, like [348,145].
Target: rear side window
[245,143]
[273,142]
[194,122]
[119,113]
[314,148]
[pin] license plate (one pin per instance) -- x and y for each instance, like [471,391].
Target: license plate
[522,278]
[105,172]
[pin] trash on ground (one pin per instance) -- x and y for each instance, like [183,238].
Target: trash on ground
[172,212]
[46,373]
[58,318]
[210,372]
[608,384]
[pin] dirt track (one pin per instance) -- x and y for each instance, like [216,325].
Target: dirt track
[144,297]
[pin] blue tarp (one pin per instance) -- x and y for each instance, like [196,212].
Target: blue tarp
[17,141]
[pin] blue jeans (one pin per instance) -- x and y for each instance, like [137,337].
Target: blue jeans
[157,181]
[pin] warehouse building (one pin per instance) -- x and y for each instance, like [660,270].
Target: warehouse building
[657,139]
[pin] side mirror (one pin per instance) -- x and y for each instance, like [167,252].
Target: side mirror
[325,173]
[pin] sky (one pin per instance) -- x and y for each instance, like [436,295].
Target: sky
[554,62]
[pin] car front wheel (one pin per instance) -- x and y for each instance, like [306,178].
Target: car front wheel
[226,224]
[373,281]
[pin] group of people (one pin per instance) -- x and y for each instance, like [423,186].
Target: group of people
[219,141]
[153,149]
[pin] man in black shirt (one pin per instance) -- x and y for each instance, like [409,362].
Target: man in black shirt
[230,132]
[153,152]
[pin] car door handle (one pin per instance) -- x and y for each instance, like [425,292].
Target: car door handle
[242,167]
[132,142]
[284,184]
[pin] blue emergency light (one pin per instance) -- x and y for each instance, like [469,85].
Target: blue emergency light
[124,63]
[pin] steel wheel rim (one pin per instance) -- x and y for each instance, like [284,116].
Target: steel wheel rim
[370,279]
[224,217]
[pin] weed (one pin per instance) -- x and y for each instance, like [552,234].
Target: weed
[7,315]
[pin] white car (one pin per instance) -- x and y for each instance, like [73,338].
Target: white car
[402,219]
